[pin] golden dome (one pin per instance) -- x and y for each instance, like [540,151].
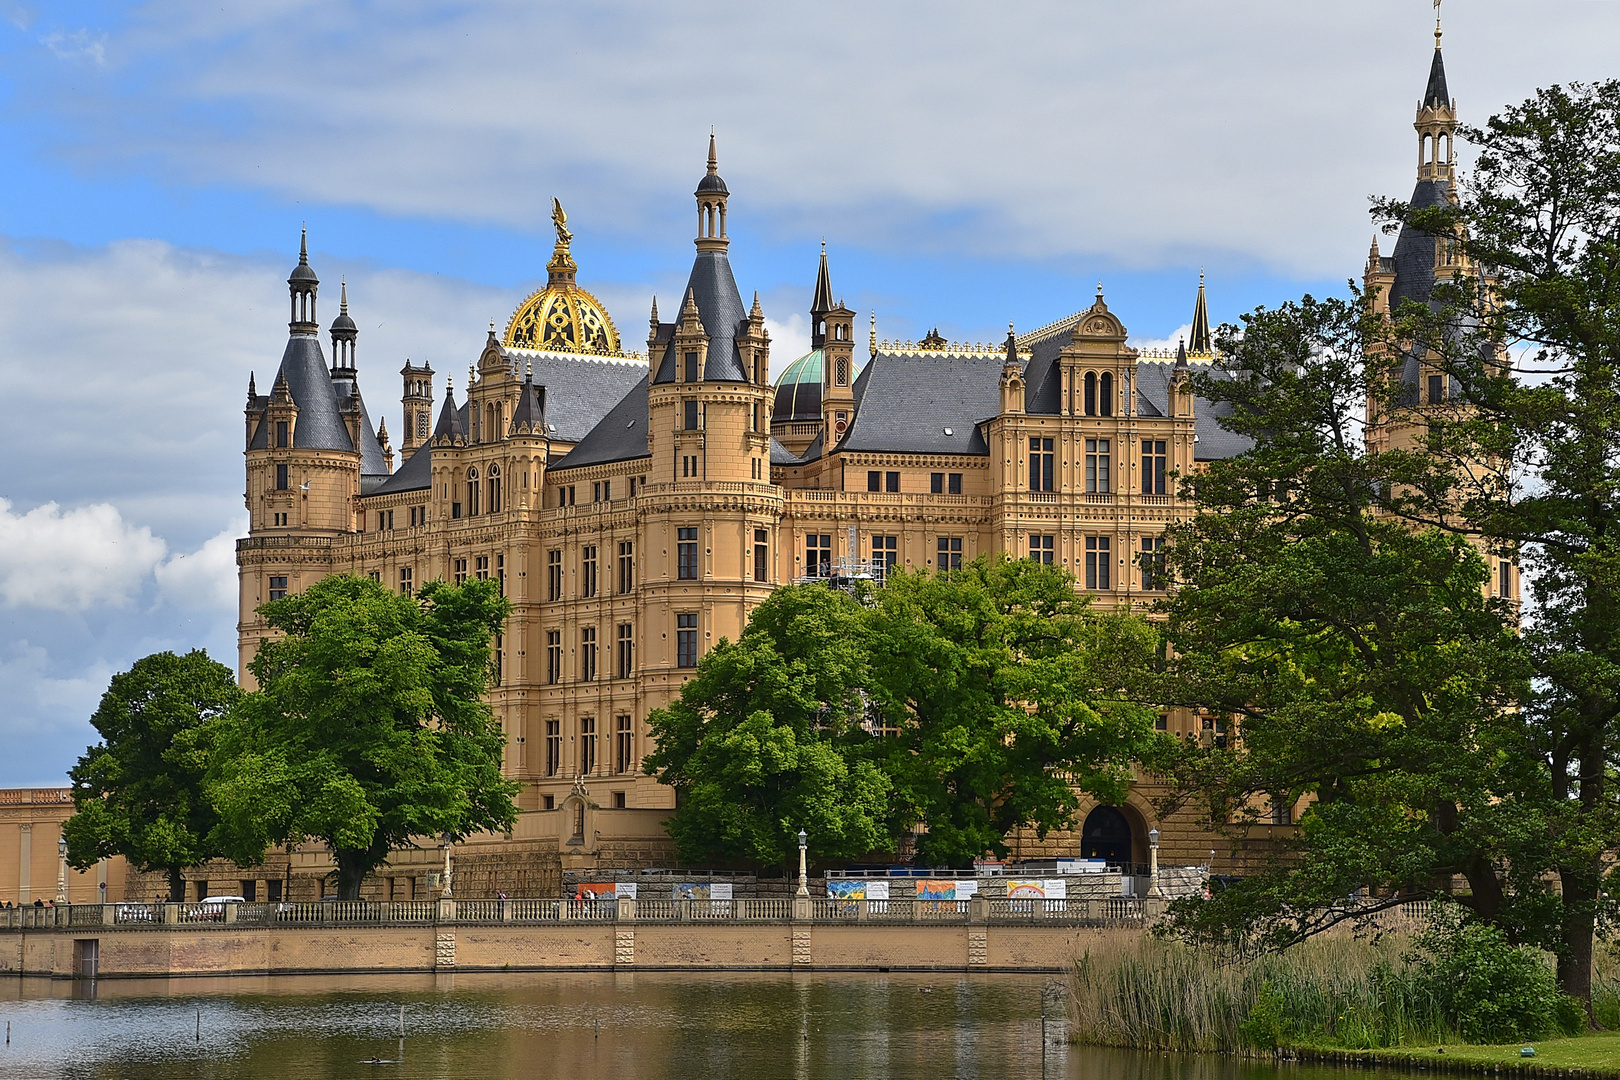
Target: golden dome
[562,316]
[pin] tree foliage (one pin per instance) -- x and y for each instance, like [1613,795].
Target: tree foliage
[369,726]
[139,792]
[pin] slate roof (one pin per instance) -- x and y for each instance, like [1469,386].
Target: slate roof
[781,455]
[620,436]
[320,423]
[906,403]
[1435,93]
[580,390]
[416,474]
[1153,399]
[720,309]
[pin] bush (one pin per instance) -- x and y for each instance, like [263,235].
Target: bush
[1569,1014]
[1493,992]
[1263,1027]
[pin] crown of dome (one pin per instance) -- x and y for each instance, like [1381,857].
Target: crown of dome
[562,316]
[798,390]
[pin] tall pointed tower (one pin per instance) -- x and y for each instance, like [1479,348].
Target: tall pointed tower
[836,341]
[1200,344]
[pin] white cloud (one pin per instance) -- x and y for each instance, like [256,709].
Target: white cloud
[73,560]
[204,579]
[78,45]
[790,339]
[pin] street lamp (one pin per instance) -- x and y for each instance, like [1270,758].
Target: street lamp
[61,870]
[446,840]
[1153,863]
[804,875]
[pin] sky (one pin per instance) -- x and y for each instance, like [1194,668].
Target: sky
[967,164]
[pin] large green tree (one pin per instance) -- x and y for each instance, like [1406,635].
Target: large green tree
[765,738]
[1539,222]
[1008,698]
[139,792]
[369,727]
[1366,668]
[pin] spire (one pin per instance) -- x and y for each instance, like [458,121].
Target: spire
[1012,346]
[344,333]
[872,343]
[714,161]
[449,426]
[1202,344]
[253,390]
[529,417]
[756,312]
[1435,94]
[711,196]
[821,303]
[653,318]
[1181,353]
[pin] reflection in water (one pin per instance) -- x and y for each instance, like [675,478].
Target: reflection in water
[583,1026]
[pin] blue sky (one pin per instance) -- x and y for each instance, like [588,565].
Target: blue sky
[968,165]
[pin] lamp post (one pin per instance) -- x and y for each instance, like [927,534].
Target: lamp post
[61,870]
[446,839]
[804,874]
[1153,863]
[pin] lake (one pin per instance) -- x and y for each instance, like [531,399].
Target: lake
[585,1026]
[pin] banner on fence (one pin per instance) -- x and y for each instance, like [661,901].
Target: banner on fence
[596,890]
[720,890]
[1056,889]
[846,890]
[966,889]
[698,890]
[625,890]
[936,890]
[877,890]
[1025,890]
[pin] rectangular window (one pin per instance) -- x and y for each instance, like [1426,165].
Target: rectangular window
[1099,567]
[622,760]
[500,572]
[874,480]
[553,747]
[818,555]
[953,483]
[1161,722]
[553,657]
[1153,466]
[281,433]
[691,359]
[950,553]
[627,565]
[554,580]
[686,647]
[500,657]
[762,555]
[691,407]
[282,479]
[1152,562]
[686,565]
[459,570]
[1504,579]
[891,481]
[278,587]
[587,570]
[936,483]
[548,802]
[405,584]
[627,650]
[1040,465]
[1436,389]
[481,567]
[1098,465]
[587,654]
[455,511]
[596,491]
[382,521]
[607,491]
[886,552]
[1041,548]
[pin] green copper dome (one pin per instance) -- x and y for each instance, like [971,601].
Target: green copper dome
[798,390]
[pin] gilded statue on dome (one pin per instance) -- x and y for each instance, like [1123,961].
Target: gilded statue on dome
[559,218]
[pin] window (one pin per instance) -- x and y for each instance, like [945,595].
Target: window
[762,555]
[481,567]
[818,555]
[691,417]
[1098,465]
[278,587]
[548,802]
[459,568]
[500,657]
[627,650]
[587,570]
[686,567]
[1041,548]
[553,657]
[841,366]
[375,575]
[627,565]
[691,365]
[281,433]
[686,640]
[1153,467]
[1152,562]
[953,483]
[1091,394]
[587,745]
[689,465]
[1436,389]
[936,483]
[950,553]
[553,749]
[1161,723]
[500,572]
[565,495]
[472,492]
[607,491]
[405,585]
[1105,394]
[618,800]
[1504,579]
[554,575]
[587,654]
[281,478]
[455,510]
[891,481]
[494,489]
[622,760]
[1098,566]
[874,480]
[596,491]
[886,552]
[1040,465]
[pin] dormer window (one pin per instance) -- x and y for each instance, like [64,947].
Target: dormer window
[691,363]
[281,433]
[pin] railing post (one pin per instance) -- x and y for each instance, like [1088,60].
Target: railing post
[978,908]
[171,913]
[109,914]
[562,910]
[230,914]
[506,911]
[446,911]
[625,910]
[863,910]
[801,909]
[1093,910]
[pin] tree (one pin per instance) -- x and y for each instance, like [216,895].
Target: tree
[1008,698]
[139,792]
[1540,224]
[1366,668]
[762,741]
[369,726]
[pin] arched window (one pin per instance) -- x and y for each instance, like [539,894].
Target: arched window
[494,489]
[1091,393]
[472,492]
[1105,394]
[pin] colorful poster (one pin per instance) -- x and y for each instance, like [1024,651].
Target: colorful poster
[966,889]
[846,890]
[877,890]
[1026,890]
[596,890]
[692,890]
[625,890]
[720,890]
[1057,889]
[936,890]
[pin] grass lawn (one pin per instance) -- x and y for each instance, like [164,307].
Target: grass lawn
[1600,1050]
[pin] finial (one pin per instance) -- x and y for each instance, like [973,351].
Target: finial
[756,310]
[528,370]
[559,220]
[1099,288]
[1436,24]
[449,385]
[471,375]
[1200,277]
[303,245]
[654,316]
[714,161]
[343,295]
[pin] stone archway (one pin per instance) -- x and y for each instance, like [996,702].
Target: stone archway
[1107,834]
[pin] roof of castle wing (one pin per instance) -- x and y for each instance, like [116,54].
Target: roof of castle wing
[720,309]
[320,424]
